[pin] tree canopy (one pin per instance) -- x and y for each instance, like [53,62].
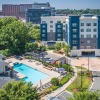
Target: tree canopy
[19,91]
[15,36]
[86,96]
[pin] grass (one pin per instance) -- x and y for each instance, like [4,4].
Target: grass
[79,67]
[76,85]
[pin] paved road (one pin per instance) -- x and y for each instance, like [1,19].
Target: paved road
[65,95]
[96,81]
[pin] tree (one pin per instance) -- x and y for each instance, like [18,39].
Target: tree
[58,46]
[55,81]
[19,91]
[31,46]
[35,33]
[86,96]
[67,49]
[15,36]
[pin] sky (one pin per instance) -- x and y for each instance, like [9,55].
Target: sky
[59,4]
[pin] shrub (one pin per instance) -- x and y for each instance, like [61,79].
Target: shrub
[53,87]
[65,79]
[54,81]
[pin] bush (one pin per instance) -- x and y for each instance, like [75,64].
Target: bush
[53,87]
[65,79]
[54,81]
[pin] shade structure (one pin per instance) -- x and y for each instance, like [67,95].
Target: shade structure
[61,69]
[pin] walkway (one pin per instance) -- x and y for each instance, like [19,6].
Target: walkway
[61,89]
[96,82]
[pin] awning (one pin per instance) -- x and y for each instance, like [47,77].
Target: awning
[61,69]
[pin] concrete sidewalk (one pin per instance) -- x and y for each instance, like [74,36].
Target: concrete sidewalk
[61,89]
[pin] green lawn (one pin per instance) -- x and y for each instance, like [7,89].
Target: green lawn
[79,67]
[76,85]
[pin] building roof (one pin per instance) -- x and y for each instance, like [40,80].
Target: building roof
[3,63]
[54,56]
[4,80]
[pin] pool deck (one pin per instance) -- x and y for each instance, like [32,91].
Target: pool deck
[34,65]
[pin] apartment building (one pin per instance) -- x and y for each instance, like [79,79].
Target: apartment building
[81,32]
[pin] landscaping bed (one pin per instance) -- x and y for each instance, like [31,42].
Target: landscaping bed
[82,83]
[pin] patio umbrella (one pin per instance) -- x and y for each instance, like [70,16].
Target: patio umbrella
[40,84]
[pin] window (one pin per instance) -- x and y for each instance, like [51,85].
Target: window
[88,47]
[64,31]
[74,30]
[58,21]
[82,24]
[43,26]
[94,30]
[88,36]
[94,36]
[88,41]
[43,21]
[51,26]
[95,41]
[59,26]
[88,30]
[74,24]
[63,25]
[43,31]
[58,30]
[74,42]
[51,31]
[82,47]
[51,21]
[58,39]
[82,41]
[94,47]
[82,36]
[74,36]
[74,47]
[88,24]
[58,35]
[82,30]
[43,35]
[94,24]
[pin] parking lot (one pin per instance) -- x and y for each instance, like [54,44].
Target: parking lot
[65,95]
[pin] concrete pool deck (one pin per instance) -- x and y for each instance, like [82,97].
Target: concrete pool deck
[40,68]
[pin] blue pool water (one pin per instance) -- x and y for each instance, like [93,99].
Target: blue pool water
[32,75]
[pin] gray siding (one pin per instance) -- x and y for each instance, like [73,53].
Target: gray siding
[93,43]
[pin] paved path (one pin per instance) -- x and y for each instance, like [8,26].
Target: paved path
[61,89]
[96,81]
[65,95]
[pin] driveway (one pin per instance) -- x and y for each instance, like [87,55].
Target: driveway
[96,81]
[65,95]
[94,63]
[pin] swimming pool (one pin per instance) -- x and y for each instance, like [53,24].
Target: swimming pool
[32,75]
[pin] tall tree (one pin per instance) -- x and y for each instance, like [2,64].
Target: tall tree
[15,36]
[19,91]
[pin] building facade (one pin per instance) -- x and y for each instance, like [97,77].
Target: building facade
[81,32]
[15,10]
[39,9]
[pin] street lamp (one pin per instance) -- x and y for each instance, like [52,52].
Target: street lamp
[88,61]
[81,76]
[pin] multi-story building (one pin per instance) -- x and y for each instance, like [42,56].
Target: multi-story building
[81,32]
[15,10]
[39,9]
